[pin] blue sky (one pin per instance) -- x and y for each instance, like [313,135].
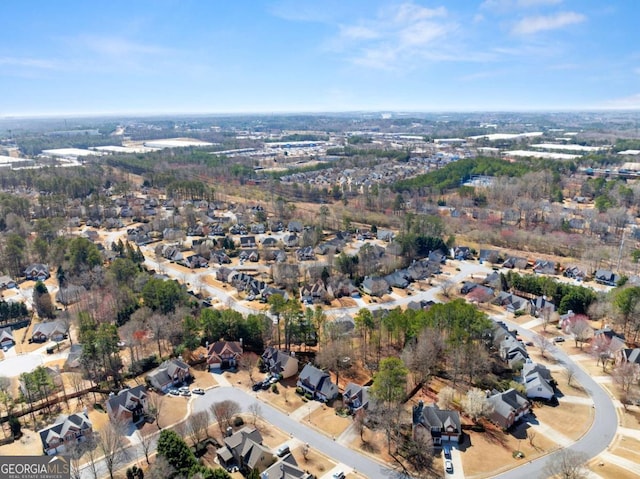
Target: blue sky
[73,57]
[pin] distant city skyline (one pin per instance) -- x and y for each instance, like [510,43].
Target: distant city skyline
[197,57]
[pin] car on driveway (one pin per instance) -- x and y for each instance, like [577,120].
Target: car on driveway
[185,393]
[174,392]
[448,466]
[199,391]
[558,339]
[338,475]
[257,386]
[283,451]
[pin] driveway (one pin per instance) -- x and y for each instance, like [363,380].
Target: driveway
[456,459]
[599,436]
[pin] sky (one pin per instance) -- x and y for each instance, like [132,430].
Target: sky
[246,56]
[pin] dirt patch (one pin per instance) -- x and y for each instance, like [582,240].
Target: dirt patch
[28,445]
[630,418]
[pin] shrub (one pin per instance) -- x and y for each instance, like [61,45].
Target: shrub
[238,421]
[308,396]
[274,388]
[299,390]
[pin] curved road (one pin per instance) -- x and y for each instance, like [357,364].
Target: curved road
[599,436]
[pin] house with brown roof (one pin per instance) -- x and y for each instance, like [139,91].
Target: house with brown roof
[65,431]
[224,354]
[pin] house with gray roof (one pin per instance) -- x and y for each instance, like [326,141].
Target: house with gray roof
[537,381]
[6,338]
[508,407]
[318,383]
[128,405]
[443,425]
[244,449]
[37,272]
[375,286]
[170,373]
[356,397]
[279,362]
[65,431]
[49,331]
[285,468]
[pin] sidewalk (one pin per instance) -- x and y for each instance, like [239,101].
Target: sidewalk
[305,410]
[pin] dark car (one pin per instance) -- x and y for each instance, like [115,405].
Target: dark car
[265,385]
[256,386]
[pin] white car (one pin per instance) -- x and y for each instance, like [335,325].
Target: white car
[448,466]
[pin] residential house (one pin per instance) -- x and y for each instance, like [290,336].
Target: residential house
[515,262]
[628,355]
[538,306]
[172,253]
[509,347]
[542,266]
[489,256]
[375,286]
[65,431]
[317,382]
[224,354]
[257,228]
[605,276]
[269,242]
[437,257]
[313,293]
[468,286]
[306,254]
[342,325]
[37,272]
[49,331]
[247,241]
[355,397]
[511,302]
[574,272]
[244,449]
[294,227]
[508,407]
[537,381]
[128,405]
[6,338]
[461,253]
[220,257]
[290,240]
[286,468]
[170,373]
[385,235]
[443,425]
[397,279]
[7,283]
[196,261]
[74,358]
[278,362]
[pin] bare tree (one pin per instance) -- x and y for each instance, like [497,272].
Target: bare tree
[161,468]
[567,464]
[255,409]
[475,404]
[305,451]
[447,288]
[531,435]
[247,362]
[91,454]
[446,396]
[146,444]
[111,444]
[223,412]
[424,355]
[155,405]
[335,355]
[543,344]
[197,424]
[569,373]
[625,375]
[359,420]
[602,350]
[581,329]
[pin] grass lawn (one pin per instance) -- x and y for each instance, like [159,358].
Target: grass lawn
[315,463]
[173,409]
[571,420]
[326,419]
[272,436]
[611,471]
[628,448]
[202,379]
[492,451]
[28,445]
[630,418]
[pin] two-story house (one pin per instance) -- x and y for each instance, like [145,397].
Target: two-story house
[224,354]
[169,374]
[318,383]
[128,405]
[65,431]
[442,425]
[278,362]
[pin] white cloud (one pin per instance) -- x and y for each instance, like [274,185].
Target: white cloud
[396,37]
[631,102]
[508,5]
[35,63]
[539,23]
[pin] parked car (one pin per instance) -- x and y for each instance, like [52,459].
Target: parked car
[283,451]
[174,392]
[197,391]
[448,466]
[256,386]
[446,449]
[264,385]
[558,339]
[338,475]
[183,388]
[185,393]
